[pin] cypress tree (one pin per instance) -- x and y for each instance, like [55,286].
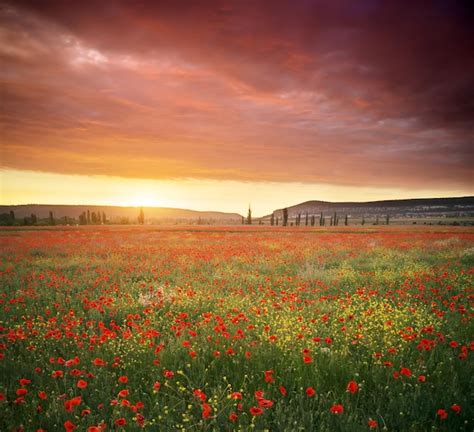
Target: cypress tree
[346,221]
[272,219]
[285,217]
[249,217]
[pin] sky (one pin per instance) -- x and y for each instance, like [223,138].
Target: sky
[213,105]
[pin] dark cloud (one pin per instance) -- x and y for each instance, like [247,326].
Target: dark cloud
[370,92]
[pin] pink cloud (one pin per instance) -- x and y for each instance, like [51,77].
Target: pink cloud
[371,94]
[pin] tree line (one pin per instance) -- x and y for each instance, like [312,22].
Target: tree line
[87,217]
[311,220]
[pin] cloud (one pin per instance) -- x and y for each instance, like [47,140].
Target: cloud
[363,93]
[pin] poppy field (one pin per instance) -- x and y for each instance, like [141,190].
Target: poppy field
[242,328]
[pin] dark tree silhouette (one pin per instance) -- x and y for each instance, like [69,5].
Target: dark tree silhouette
[141,217]
[285,217]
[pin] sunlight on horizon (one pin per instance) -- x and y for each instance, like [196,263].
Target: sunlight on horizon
[30,187]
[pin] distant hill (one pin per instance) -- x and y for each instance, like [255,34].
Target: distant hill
[423,207]
[116,213]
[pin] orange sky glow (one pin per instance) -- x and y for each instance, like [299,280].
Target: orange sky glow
[218,105]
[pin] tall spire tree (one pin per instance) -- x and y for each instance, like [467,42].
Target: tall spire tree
[141,217]
[249,216]
[285,217]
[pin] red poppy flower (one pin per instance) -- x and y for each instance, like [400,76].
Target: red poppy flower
[372,424]
[81,384]
[406,372]
[421,378]
[442,414]
[282,390]
[123,393]
[265,403]
[236,395]
[352,387]
[232,416]
[255,411]
[69,425]
[21,392]
[71,403]
[24,382]
[337,409]
[307,359]
[198,393]
[269,376]
[456,408]
[168,374]
[120,422]
[206,410]
[42,395]
[310,391]
[123,379]
[98,362]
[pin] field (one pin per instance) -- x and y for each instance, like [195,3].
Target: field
[281,329]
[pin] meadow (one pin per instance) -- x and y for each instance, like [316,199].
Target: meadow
[242,328]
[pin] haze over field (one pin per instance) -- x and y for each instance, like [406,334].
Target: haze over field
[212,105]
